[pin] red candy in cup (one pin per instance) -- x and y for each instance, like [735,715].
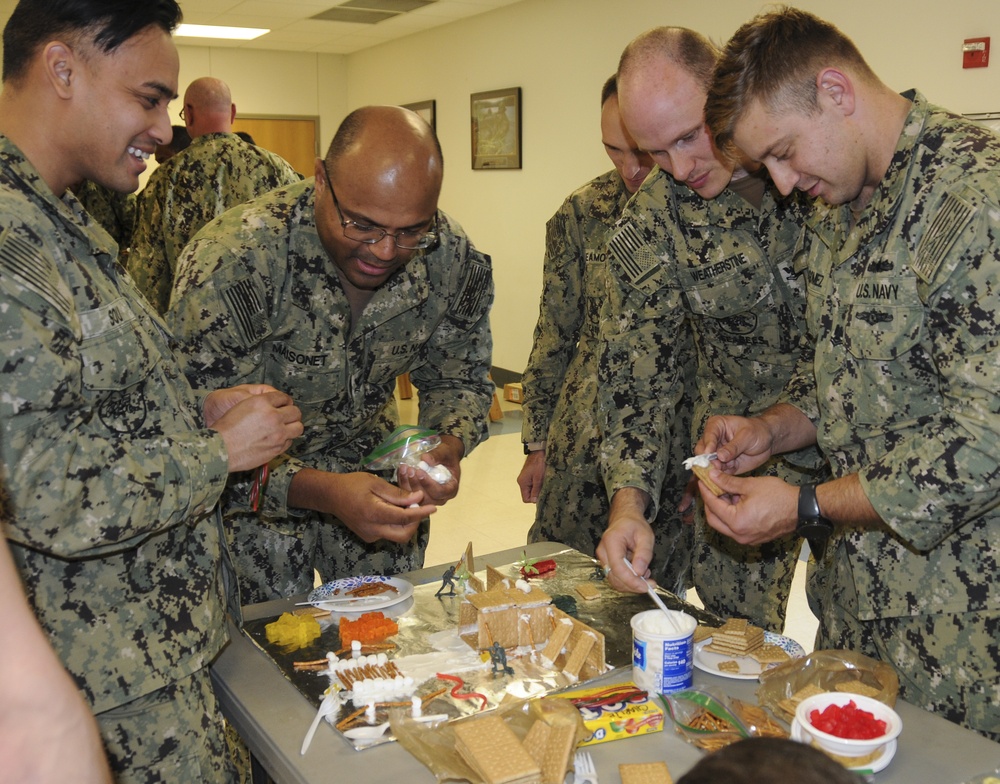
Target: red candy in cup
[848,721]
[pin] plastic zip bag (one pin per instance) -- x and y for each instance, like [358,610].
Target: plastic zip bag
[406,445]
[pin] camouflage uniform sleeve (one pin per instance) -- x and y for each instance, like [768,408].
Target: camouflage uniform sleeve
[943,473]
[800,389]
[220,320]
[147,260]
[454,384]
[643,333]
[560,316]
[104,488]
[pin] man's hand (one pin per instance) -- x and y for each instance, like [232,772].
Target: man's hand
[628,535]
[257,428]
[753,510]
[449,454]
[530,478]
[371,507]
[219,401]
[742,443]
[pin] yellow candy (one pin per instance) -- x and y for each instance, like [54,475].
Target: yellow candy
[293,631]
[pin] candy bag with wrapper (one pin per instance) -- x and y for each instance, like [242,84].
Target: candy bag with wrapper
[406,445]
[783,687]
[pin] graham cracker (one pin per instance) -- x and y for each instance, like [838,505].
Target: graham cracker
[492,749]
[557,639]
[588,591]
[702,473]
[644,773]
[551,747]
[703,632]
[729,666]
[857,687]
[577,656]
[789,704]
[769,653]
[736,637]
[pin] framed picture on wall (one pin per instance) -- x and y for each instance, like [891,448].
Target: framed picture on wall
[425,109]
[496,129]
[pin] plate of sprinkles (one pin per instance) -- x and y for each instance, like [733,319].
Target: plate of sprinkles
[351,594]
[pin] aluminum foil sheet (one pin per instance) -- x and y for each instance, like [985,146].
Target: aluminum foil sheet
[428,624]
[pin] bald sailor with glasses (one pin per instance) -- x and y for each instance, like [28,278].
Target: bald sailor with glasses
[329,289]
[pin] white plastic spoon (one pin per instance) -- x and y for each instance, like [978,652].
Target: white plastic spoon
[330,704]
[653,595]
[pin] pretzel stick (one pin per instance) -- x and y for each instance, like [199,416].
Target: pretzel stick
[348,719]
[433,695]
[308,665]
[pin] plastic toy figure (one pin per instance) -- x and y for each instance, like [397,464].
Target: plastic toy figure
[447,581]
[498,658]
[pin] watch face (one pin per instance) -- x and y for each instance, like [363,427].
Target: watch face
[816,532]
[814,529]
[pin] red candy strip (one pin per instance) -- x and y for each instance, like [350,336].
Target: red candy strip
[459,683]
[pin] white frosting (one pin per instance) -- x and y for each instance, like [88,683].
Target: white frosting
[702,461]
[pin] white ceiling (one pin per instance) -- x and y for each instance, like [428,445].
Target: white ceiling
[292,29]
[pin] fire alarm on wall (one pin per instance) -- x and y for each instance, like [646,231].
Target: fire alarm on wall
[976,53]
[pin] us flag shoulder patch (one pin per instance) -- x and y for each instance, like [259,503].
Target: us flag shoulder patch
[246,305]
[949,222]
[26,265]
[633,255]
[475,288]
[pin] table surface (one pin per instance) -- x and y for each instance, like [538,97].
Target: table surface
[272,716]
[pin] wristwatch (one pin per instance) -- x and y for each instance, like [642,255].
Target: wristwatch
[533,446]
[815,528]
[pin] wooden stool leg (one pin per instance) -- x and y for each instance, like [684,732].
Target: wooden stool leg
[496,413]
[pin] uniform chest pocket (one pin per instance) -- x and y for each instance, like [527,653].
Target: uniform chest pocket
[118,357]
[392,358]
[729,289]
[309,375]
[740,320]
[884,329]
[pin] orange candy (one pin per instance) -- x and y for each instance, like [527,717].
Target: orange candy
[370,627]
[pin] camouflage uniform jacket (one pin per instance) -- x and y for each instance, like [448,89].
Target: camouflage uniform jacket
[904,306]
[111,481]
[720,271]
[560,380]
[216,172]
[114,211]
[259,300]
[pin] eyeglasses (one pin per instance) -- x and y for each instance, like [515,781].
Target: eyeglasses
[406,239]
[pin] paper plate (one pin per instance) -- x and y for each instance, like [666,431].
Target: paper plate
[750,668]
[874,766]
[334,596]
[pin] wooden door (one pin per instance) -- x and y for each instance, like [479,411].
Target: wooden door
[296,139]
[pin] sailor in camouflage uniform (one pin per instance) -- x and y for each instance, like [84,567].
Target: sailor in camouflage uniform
[112,473]
[218,170]
[302,289]
[703,253]
[114,211]
[562,473]
[902,296]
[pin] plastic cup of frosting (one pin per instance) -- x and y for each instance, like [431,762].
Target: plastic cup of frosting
[662,652]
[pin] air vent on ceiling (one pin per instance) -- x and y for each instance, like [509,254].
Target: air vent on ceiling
[370,11]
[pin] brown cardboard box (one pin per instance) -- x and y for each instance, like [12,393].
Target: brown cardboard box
[513,393]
